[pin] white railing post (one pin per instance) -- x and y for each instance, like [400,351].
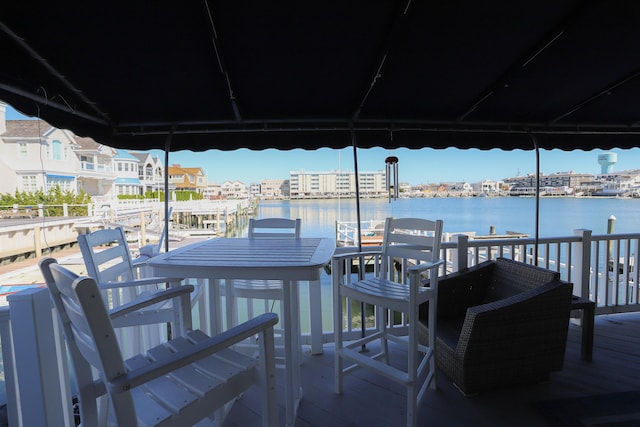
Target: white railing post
[42,381]
[582,263]
[460,258]
[8,364]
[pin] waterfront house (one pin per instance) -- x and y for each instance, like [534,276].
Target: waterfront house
[618,183]
[150,172]
[95,173]
[126,167]
[187,179]
[34,155]
[234,190]
[274,188]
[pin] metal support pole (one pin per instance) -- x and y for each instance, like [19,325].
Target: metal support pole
[537,221]
[363,326]
[167,149]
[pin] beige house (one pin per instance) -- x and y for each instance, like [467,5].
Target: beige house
[274,188]
[234,190]
[189,179]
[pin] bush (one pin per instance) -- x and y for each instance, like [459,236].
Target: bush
[52,201]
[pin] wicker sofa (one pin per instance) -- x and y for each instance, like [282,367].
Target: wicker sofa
[500,323]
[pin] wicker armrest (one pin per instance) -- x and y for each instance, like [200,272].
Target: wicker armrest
[460,290]
[525,323]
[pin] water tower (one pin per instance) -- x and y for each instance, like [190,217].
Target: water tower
[606,161]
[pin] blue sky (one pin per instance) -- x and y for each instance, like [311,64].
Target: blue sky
[415,166]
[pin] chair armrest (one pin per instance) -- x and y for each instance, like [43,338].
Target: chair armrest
[525,320]
[419,268]
[140,282]
[356,254]
[461,290]
[150,299]
[198,351]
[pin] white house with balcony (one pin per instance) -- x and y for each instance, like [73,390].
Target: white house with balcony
[34,155]
[126,167]
[95,172]
[234,190]
[150,171]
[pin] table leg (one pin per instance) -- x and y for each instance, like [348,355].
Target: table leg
[215,307]
[587,319]
[315,314]
[230,299]
[588,314]
[290,312]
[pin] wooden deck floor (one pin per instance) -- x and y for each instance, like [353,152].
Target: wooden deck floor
[370,400]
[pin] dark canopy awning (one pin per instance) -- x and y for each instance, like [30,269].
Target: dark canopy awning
[259,74]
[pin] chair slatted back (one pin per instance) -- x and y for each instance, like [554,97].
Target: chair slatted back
[106,255]
[274,227]
[89,333]
[411,240]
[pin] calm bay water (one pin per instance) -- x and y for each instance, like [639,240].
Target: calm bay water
[558,216]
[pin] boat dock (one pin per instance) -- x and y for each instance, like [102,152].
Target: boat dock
[23,237]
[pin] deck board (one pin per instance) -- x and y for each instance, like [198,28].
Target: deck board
[370,400]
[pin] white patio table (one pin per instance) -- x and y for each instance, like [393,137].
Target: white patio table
[289,260]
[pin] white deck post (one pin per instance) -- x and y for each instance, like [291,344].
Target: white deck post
[581,261]
[42,381]
[460,261]
[8,364]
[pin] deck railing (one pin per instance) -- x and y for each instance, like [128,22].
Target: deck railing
[602,267]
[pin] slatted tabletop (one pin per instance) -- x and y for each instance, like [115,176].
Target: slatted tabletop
[241,258]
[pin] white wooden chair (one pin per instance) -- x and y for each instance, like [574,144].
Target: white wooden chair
[268,291]
[108,260]
[411,247]
[177,383]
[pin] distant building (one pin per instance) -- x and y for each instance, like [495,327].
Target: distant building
[96,175]
[36,156]
[274,188]
[126,166]
[234,190]
[254,189]
[304,184]
[488,187]
[618,183]
[187,179]
[213,191]
[150,172]
[559,182]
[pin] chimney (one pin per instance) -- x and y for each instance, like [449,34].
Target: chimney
[3,117]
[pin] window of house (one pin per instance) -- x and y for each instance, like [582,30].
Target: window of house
[65,184]
[57,150]
[23,150]
[29,183]
[87,163]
